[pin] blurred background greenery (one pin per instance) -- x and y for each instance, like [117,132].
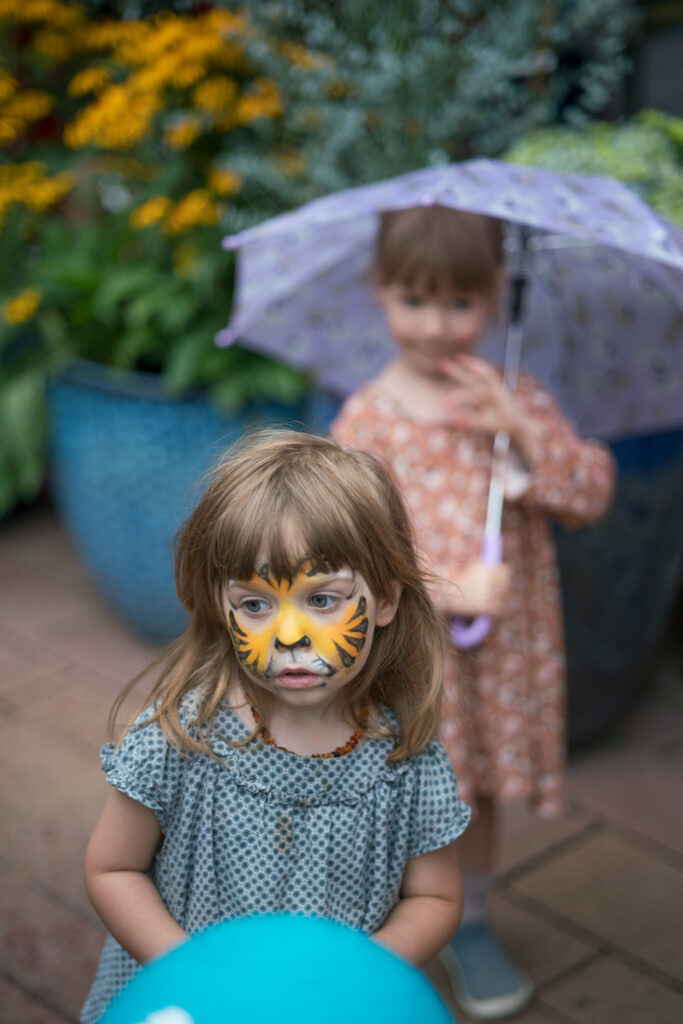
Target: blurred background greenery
[134,136]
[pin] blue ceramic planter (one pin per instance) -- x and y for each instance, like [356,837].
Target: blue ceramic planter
[126,460]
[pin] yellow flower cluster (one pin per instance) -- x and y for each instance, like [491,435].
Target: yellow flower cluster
[118,119]
[184,132]
[28,185]
[19,109]
[263,100]
[169,53]
[55,27]
[301,57]
[224,182]
[215,94]
[67,16]
[21,307]
[89,80]
[196,208]
[150,212]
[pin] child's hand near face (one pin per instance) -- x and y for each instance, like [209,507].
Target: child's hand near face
[480,401]
[480,589]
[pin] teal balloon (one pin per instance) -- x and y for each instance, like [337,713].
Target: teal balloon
[278,969]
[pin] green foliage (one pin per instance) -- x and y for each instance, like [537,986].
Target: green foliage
[418,82]
[324,96]
[645,152]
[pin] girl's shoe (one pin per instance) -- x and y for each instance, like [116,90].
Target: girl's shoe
[486,984]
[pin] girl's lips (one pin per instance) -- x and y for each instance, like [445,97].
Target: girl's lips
[298,680]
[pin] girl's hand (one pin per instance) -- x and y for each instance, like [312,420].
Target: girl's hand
[480,401]
[480,589]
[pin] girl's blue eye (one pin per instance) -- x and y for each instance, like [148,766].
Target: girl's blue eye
[462,303]
[254,605]
[322,600]
[414,301]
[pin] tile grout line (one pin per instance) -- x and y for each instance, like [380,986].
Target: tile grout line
[15,983]
[581,934]
[541,858]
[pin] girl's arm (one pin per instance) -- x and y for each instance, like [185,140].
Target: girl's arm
[428,912]
[120,850]
[570,479]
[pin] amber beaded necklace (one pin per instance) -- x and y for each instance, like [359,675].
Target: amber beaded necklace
[346,748]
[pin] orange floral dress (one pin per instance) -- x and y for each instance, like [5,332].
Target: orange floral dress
[504,709]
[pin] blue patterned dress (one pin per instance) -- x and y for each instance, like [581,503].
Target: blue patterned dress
[263,830]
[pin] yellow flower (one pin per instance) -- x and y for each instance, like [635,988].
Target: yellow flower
[29,105]
[183,133]
[150,212]
[302,57]
[224,182]
[46,193]
[215,94]
[9,130]
[8,85]
[196,208]
[263,101]
[89,80]
[51,12]
[116,120]
[53,45]
[21,307]
[187,74]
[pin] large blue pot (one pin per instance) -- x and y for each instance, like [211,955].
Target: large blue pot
[125,464]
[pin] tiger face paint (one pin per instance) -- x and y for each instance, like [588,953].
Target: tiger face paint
[311,632]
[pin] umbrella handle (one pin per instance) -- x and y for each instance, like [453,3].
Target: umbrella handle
[466,633]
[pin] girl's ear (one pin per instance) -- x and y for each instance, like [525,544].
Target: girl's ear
[386,609]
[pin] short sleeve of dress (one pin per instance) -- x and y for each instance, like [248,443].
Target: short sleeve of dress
[145,766]
[437,815]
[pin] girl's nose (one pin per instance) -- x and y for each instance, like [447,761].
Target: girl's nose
[291,632]
[303,641]
[434,322]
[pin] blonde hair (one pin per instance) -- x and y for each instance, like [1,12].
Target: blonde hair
[346,511]
[439,250]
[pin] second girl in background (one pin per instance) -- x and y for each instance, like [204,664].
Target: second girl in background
[431,415]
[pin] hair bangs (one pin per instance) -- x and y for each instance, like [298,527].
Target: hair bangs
[438,251]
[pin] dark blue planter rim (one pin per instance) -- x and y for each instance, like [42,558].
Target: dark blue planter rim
[114,380]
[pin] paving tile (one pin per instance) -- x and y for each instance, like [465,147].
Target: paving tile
[46,947]
[618,892]
[542,949]
[523,834]
[18,1007]
[44,773]
[637,788]
[78,711]
[99,641]
[23,658]
[608,992]
[40,598]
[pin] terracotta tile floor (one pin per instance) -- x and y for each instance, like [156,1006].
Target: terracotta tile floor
[590,903]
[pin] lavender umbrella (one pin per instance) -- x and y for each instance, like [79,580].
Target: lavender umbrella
[603,321]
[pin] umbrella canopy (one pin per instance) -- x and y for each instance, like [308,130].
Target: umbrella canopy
[603,322]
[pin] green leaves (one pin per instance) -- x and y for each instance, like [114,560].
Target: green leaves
[22,436]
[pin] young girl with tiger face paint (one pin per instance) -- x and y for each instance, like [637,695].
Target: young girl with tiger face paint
[285,759]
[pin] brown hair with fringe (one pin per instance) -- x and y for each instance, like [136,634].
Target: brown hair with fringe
[439,250]
[346,510]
